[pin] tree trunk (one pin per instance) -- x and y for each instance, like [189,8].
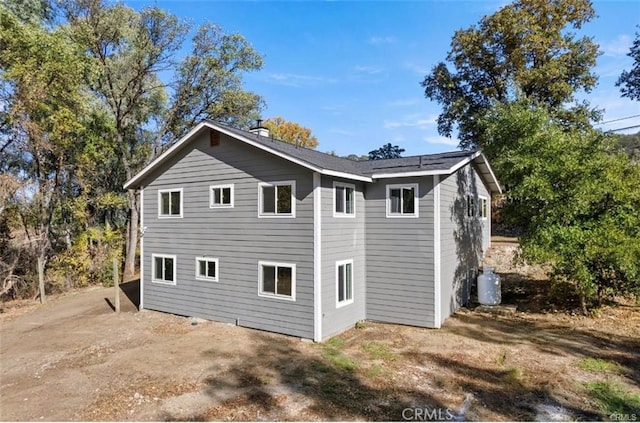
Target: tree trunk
[583,304]
[132,235]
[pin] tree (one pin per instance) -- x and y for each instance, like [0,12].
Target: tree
[290,132]
[387,151]
[629,81]
[129,50]
[575,198]
[629,144]
[357,158]
[524,49]
[43,123]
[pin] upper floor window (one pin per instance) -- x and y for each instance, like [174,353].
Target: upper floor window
[344,204]
[221,196]
[402,200]
[277,199]
[170,202]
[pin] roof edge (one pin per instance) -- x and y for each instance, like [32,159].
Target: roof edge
[211,125]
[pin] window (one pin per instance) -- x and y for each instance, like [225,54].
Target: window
[170,203]
[344,282]
[221,196]
[484,208]
[344,204]
[471,206]
[402,200]
[163,269]
[207,269]
[277,280]
[277,199]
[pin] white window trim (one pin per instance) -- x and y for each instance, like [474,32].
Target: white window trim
[344,302]
[344,214]
[482,198]
[277,215]
[276,296]
[220,206]
[415,201]
[475,207]
[207,278]
[153,269]
[170,216]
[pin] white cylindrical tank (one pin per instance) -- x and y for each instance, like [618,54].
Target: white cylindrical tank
[489,287]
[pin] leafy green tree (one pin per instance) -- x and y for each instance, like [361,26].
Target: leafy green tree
[387,151]
[629,144]
[629,81]
[129,50]
[576,199]
[43,116]
[290,132]
[525,48]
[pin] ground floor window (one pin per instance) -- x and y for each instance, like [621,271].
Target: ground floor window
[344,282]
[207,268]
[163,269]
[277,280]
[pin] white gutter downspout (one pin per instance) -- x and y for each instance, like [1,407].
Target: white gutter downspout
[317,257]
[437,258]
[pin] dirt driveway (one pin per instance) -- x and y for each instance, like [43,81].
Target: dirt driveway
[74,359]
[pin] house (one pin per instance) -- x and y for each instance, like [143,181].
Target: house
[240,228]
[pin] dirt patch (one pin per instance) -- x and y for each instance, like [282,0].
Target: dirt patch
[74,359]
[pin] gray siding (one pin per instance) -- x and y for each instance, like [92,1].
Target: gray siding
[463,240]
[399,257]
[343,238]
[236,236]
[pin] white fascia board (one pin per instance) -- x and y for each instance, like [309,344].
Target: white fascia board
[346,175]
[249,141]
[464,162]
[164,155]
[408,174]
[493,176]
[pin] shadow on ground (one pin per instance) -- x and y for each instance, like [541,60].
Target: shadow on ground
[131,300]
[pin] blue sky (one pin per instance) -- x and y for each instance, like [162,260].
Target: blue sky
[351,71]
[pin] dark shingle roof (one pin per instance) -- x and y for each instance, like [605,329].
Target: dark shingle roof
[313,157]
[367,170]
[430,162]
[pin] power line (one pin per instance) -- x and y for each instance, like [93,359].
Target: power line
[624,129]
[617,120]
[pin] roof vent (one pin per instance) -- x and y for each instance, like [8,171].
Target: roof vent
[259,129]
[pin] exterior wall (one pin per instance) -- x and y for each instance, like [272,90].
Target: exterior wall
[463,239]
[236,236]
[399,257]
[343,238]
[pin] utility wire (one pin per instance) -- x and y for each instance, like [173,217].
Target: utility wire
[617,120]
[623,129]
